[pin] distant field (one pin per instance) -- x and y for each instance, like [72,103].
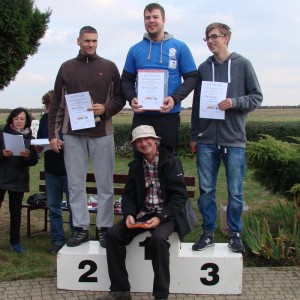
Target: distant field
[274,114]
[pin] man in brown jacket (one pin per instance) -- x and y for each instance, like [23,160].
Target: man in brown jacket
[100,77]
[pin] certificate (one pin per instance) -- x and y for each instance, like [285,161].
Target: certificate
[14,143]
[152,88]
[211,94]
[78,105]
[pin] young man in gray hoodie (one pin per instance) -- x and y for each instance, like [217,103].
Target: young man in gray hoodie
[223,139]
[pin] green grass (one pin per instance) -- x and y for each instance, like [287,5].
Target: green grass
[37,263]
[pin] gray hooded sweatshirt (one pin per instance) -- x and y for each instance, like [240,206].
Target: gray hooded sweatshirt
[246,95]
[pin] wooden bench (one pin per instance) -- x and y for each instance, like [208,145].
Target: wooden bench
[119,182]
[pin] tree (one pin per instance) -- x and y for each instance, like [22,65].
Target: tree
[22,26]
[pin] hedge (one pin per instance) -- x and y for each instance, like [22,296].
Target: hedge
[279,130]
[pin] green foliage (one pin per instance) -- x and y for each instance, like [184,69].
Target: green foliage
[281,246]
[22,25]
[279,130]
[276,164]
[122,136]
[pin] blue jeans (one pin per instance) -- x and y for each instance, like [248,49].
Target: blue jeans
[55,187]
[208,163]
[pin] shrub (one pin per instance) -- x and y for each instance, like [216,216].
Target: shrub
[279,130]
[276,164]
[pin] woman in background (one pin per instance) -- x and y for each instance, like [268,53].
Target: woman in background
[14,175]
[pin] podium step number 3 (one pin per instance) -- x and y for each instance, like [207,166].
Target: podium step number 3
[216,270]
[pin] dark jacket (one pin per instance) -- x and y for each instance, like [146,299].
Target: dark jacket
[54,163]
[173,190]
[14,170]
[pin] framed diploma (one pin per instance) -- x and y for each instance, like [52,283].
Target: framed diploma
[152,88]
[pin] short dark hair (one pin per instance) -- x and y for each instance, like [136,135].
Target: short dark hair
[152,6]
[15,112]
[86,29]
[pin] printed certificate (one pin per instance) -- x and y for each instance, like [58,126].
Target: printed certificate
[152,88]
[78,105]
[211,94]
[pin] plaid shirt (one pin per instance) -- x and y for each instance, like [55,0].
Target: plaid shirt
[153,201]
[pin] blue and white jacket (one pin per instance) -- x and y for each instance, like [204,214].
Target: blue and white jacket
[169,54]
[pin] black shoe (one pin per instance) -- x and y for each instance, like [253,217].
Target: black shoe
[116,296]
[206,240]
[156,298]
[102,236]
[54,248]
[78,237]
[235,242]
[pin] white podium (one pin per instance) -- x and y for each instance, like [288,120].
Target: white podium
[216,270]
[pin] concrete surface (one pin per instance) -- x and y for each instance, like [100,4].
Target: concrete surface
[258,283]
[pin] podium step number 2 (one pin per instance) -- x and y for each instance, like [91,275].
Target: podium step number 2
[216,270]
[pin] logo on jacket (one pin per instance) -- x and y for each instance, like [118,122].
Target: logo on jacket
[172,58]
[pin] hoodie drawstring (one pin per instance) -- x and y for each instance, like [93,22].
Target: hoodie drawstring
[150,49]
[161,50]
[228,70]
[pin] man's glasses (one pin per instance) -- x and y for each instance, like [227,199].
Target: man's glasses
[213,37]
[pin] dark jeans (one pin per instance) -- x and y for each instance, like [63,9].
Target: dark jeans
[166,126]
[15,208]
[56,186]
[119,236]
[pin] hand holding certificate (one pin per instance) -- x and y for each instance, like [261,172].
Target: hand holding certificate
[152,88]
[78,107]
[211,94]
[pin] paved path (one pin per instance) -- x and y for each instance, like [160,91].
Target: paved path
[258,283]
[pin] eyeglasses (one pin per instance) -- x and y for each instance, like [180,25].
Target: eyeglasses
[213,37]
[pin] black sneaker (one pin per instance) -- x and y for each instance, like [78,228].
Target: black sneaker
[235,242]
[206,240]
[54,248]
[102,236]
[78,237]
[116,296]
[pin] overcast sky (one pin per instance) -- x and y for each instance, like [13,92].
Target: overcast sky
[264,31]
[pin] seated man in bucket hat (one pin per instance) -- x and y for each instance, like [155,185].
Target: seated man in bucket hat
[153,199]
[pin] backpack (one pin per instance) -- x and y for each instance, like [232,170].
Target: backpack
[38,200]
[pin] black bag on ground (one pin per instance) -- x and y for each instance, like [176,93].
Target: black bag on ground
[38,200]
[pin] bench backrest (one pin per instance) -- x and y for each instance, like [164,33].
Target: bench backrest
[119,182]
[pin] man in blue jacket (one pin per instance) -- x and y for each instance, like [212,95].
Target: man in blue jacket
[223,139]
[159,50]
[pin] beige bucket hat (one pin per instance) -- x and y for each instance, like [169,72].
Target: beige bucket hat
[143,131]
